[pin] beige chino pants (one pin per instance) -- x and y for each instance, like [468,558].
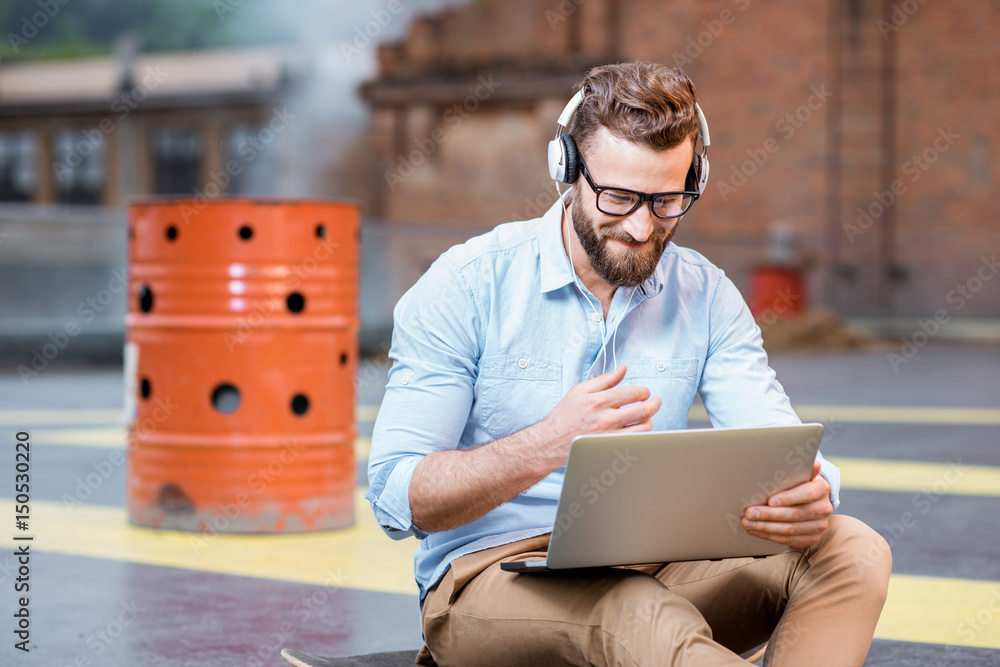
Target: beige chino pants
[816,606]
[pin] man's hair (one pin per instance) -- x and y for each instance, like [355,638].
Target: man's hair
[648,104]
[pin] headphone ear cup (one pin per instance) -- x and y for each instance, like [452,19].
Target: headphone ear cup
[697,176]
[691,182]
[571,159]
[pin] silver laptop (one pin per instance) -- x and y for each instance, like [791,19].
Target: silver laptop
[660,497]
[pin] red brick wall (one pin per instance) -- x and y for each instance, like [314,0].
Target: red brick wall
[949,218]
[807,122]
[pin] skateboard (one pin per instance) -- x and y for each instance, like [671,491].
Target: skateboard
[300,659]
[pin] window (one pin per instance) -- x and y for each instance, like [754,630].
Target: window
[18,151]
[176,156]
[79,166]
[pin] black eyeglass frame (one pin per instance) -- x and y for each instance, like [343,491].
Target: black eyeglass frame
[643,196]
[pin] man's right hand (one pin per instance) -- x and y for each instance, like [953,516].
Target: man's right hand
[451,488]
[597,405]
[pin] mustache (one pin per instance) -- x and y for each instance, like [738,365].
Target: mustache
[625,237]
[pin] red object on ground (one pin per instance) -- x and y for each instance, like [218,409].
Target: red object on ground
[241,356]
[776,291]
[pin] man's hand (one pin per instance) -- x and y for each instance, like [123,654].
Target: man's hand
[796,517]
[597,405]
[451,488]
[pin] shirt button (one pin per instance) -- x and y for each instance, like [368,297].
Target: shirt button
[660,366]
[596,317]
[522,363]
[405,379]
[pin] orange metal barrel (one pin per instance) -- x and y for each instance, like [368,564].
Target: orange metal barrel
[241,355]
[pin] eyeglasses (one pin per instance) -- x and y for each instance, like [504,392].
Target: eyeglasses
[621,202]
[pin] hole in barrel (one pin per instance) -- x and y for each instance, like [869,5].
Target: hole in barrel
[300,404]
[246,232]
[145,299]
[226,398]
[343,358]
[146,389]
[296,302]
[171,232]
[320,231]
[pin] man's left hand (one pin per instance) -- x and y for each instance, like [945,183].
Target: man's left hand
[795,517]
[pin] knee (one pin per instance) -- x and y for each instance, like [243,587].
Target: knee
[641,601]
[863,554]
[640,621]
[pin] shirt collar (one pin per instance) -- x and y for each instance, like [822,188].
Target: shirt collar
[555,268]
[556,271]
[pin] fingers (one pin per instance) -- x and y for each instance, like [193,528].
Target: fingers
[638,412]
[815,489]
[605,381]
[796,517]
[600,405]
[819,509]
[793,541]
[799,534]
[639,427]
[616,397]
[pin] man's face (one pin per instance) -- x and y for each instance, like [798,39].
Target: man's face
[624,251]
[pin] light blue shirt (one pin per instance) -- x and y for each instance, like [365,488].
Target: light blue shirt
[496,332]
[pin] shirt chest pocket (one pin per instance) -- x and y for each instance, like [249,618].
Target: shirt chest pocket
[514,391]
[673,380]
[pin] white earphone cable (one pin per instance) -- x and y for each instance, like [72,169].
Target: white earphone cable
[576,281]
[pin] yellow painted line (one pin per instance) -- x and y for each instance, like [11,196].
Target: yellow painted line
[918,476]
[361,557]
[113,437]
[865,414]
[872,414]
[937,610]
[366,413]
[918,609]
[116,438]
[56,417]
[362,448]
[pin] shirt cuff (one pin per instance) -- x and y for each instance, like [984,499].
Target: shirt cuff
[389,495]
[832,475]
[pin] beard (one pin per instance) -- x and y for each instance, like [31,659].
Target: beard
[626,267]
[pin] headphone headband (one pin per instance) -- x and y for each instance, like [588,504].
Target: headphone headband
[563,158]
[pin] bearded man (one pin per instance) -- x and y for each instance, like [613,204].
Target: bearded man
[590,319]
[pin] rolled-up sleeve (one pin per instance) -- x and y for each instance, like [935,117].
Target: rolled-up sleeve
[434,353]
[738,387]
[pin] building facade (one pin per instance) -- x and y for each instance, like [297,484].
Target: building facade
[863,130]
[99,130]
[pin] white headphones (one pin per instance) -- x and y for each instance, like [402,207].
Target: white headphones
[564,157]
